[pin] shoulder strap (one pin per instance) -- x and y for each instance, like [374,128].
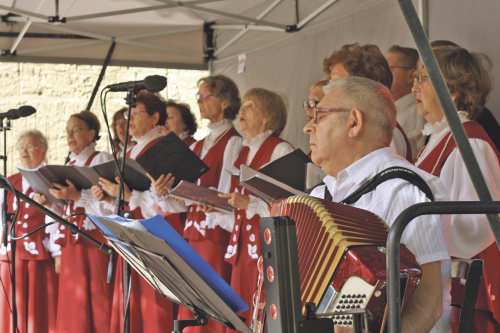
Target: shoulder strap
[385,175]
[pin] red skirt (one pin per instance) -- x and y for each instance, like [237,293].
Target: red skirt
[149,312]
[213,253]
[84,296]
[36,296]
[244,280]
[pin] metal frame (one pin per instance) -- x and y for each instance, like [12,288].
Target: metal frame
[253,24]
[394,239]
[244,31]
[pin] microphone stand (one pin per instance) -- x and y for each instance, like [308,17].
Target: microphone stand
[5,228]
[120,203]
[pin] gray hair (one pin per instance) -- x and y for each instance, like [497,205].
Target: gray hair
[372,98]
[42,140]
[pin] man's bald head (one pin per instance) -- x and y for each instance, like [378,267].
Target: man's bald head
[372,98]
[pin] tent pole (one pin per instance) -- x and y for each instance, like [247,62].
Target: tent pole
[23,31]
[423,14]
[101,75]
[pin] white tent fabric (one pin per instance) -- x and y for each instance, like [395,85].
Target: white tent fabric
[169,34]
[292,64]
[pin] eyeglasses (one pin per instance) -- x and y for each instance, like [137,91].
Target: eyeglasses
[28,148]
[405,67]
[310,103]
[119,124]
[203,96]
[75,131]
[134,114]
[420,78]
[327,110]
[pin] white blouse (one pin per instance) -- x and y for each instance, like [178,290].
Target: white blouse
[469,234]
[256,205]
[87,200]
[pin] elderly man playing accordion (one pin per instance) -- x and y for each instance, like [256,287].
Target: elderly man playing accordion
[350,133]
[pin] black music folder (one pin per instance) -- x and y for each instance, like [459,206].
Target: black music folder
[281,178]
[173,268]
[172,155]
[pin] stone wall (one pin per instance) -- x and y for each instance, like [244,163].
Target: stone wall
[57,91]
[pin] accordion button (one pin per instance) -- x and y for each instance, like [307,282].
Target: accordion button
[351,301]
[341,301]
[345,322]
[364,296]
[359,296]
[343,317]
[343,306]
[358,306]
[343,296]
[349,323]
[335,322]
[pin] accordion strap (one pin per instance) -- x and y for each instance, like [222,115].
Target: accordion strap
[383,176]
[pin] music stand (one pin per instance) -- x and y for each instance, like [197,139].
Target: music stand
[170,275]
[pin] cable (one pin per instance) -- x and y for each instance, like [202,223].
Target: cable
[12,231]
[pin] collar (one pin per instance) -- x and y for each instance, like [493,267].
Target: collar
[218,127]
[441,125]
[258,140]
[184,135]
[403,106]
[361,170]
[85,154]
[151,135]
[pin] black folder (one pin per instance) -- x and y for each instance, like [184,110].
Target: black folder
[172,155]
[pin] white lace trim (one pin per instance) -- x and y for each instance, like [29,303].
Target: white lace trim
[184,135]
[151,135]
[219,126]
[258,140]
[256,207]
[441,125]
[84,155]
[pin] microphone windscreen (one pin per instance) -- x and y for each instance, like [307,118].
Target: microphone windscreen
[155,83]
[25,111]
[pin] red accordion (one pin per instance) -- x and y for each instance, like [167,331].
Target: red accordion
[342,261]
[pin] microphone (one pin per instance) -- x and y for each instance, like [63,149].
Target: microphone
[23,111]
[152,83]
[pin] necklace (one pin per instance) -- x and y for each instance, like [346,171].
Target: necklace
[216,139]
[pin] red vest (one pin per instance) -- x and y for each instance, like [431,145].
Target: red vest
[81,221]
[189,141]
[196,226]
[248,230]
[28,219]
[489,288]
[136,213]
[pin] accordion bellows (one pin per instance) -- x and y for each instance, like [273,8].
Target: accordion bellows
[326,234]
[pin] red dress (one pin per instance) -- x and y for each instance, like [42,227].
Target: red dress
[487,314]
[84,296]
[36,279]
[244,248]
[211,244]
[149,312]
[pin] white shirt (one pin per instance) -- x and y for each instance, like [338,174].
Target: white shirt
[411,122]
[256,205]
[469,234]
[425,236]
[231,151]
[398,141]
[148,201]
[87,200]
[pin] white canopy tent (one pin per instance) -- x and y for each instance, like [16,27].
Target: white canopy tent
[284,41]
